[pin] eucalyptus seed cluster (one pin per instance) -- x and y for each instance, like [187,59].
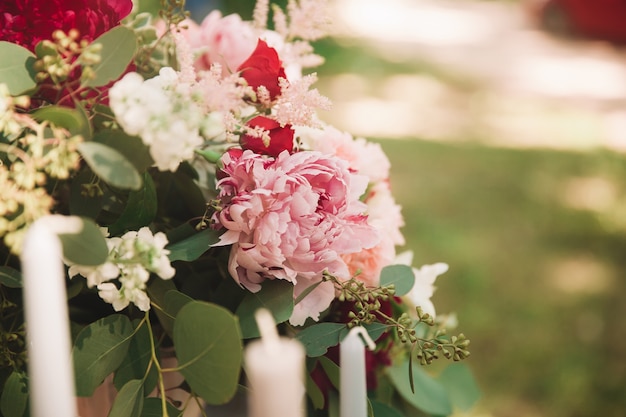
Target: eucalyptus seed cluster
[429,349]
[57,58]
[367,300]
[173,11]
[29,158]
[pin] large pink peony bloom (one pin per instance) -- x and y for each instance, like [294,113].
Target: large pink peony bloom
[26,22]
[292,218]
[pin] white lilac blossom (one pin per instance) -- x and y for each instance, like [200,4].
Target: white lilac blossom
[162,112]
[132,258]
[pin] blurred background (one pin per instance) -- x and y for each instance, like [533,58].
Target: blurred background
[505,122]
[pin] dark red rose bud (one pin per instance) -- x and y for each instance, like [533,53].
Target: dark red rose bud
[281,138]
[234,154]
[263,68]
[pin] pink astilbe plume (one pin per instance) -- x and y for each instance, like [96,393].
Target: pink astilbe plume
[308,19]
[297,104]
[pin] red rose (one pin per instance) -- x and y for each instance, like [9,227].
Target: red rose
[281,138]
[27,22]
[263,68]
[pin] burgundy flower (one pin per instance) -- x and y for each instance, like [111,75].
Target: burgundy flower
[263,68]
[281,138]
[27,22]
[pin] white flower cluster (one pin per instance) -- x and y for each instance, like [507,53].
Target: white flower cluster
[162,112]
[132,258]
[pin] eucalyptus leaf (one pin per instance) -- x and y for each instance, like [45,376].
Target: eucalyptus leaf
[209,351]
[99,349]
[129,400]
[73,120]
[462,388]
[375,330]
[131,147]
[14,398]
[110,165]
[383,410]
[157,289]
[331,369]
[193,247]
[10,277]
[135,364]
[140,210]
[118,48]
[401,276]
[275,295]
[153,407]
[430,396]
[314,392]
[87,247]
[16,68]
[319,337]
[174,301]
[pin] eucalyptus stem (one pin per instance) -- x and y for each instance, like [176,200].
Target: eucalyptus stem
[155,360]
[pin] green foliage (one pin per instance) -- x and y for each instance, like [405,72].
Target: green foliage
[209,350]
[14,398]
[118,48]
[140,210]
[401,277]
[319,337]
[10,277]
[194,246]
[111,166]
[74,120]
[275,296]
[129,400]
[99,349]
[87,247]
[16,68]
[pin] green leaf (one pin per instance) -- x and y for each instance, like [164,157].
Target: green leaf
[275,295]
[375,330]
[430,396]
[209,351]
[14,399]
[401,276]
[157,289]
[319,337]
[99,350]
[462,388]
[140,210]
[129,400]
[87,247]
[110,165]
[130,146]
[73,120]
[174,301]
[10,277]
[118,48]
[314,392]
[16,68]
[383,410]
[152,407]
[136,362]
[193,247]
[331,369]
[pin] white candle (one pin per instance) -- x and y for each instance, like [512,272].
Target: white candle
[50,370]
[275,370]
[352,379]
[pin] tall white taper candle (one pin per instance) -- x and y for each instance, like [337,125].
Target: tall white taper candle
[50,370]
[275,370]
[352,378]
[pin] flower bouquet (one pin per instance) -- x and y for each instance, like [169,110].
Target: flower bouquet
[189,179]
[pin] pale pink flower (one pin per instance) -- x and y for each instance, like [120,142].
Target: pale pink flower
[226,40]
[291,218]
[367,158]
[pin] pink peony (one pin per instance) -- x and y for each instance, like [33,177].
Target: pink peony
[227,41]
[26,22]
[292,218]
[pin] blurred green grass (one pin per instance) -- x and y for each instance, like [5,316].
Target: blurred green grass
[500,219]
